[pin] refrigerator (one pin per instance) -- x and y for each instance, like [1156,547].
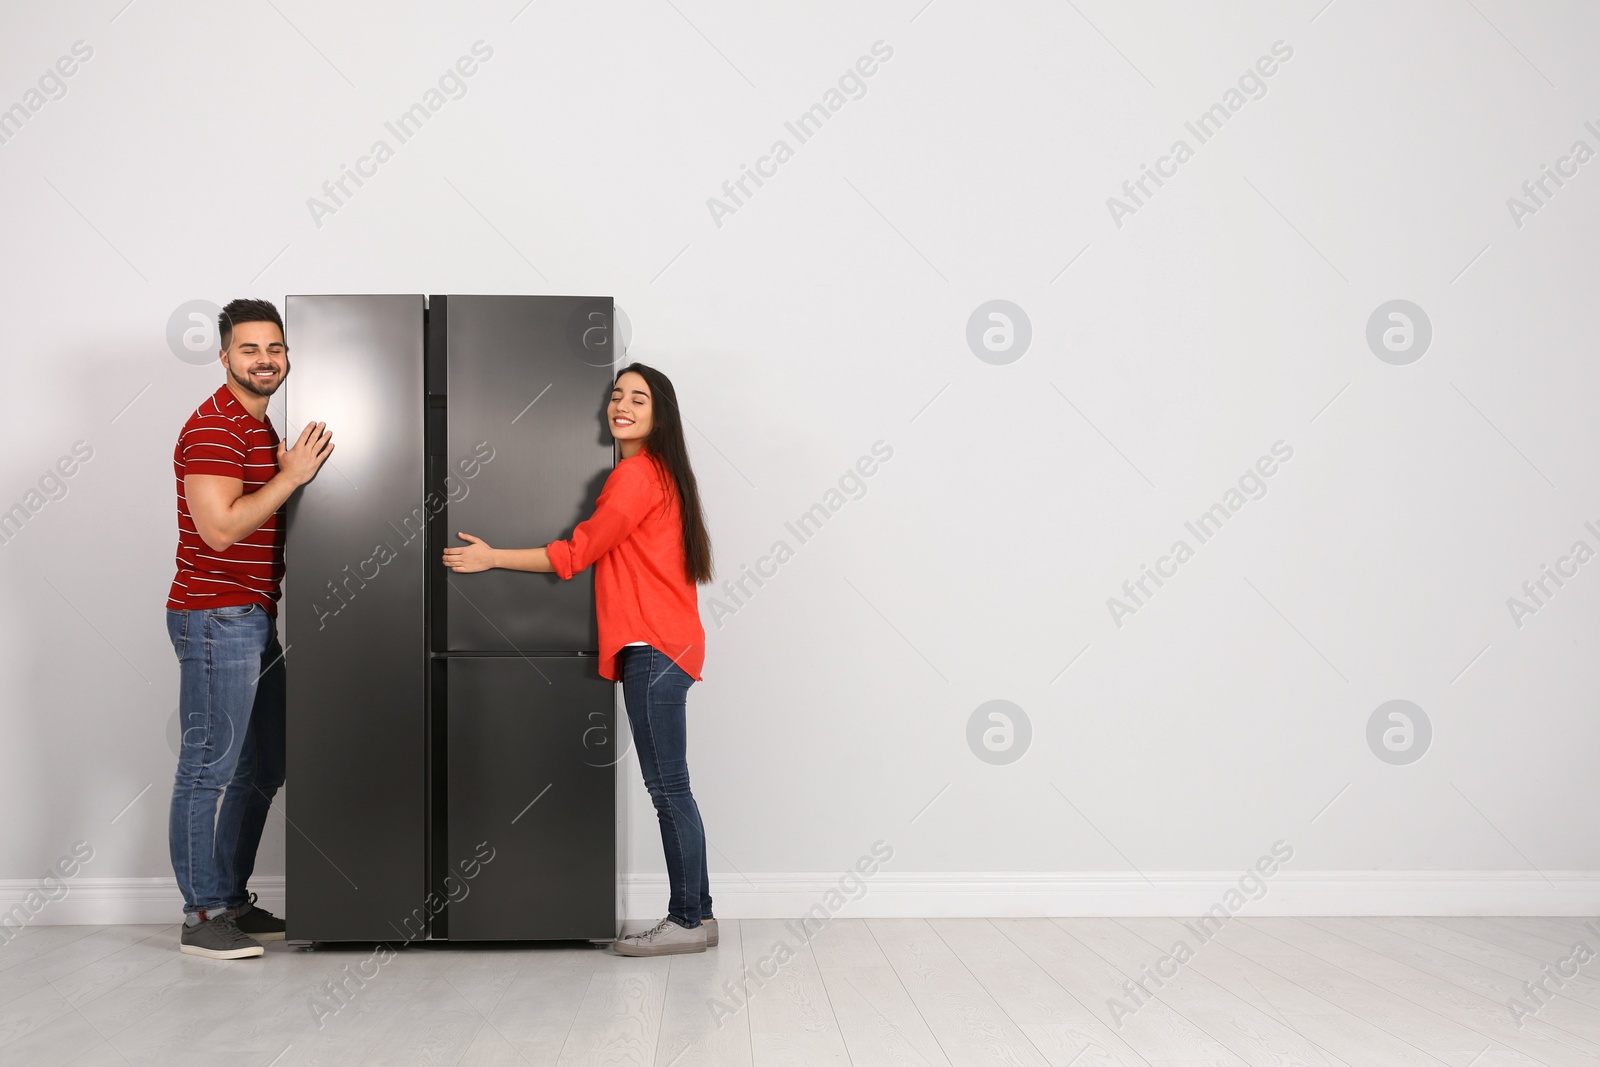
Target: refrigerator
[452,750]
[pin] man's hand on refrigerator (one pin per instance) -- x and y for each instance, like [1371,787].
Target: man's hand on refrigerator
[470,558]
[301,461]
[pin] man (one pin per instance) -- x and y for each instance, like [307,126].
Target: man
[233,476]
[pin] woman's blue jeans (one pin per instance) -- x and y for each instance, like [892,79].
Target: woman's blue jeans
[655,691]
[231,712]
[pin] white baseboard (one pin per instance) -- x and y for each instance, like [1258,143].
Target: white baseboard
[889,894]
[108,901]
[886,894]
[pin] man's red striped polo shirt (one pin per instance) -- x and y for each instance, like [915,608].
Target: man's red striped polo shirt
[224,439]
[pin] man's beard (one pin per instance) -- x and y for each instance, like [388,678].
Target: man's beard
[251,387]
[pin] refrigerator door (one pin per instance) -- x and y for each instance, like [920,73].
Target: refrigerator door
[355,622]
[528,382]
[532,760]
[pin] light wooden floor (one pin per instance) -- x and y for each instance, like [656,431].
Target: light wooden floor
[1268,991]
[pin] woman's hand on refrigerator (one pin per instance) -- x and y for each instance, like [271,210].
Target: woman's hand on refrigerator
[475,556]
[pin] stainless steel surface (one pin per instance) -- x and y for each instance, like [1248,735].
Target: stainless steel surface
[532,751]
[522,384]
[355,621]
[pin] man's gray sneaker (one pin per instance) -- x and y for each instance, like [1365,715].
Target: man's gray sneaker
[258,922]
[219,938]
[665,938]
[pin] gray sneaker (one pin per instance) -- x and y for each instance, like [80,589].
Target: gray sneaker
[709,925]
[665,938]
[219,938]
[257,921]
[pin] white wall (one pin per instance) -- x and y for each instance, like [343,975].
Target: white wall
[830,311]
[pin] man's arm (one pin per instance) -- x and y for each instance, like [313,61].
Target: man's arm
[224,513]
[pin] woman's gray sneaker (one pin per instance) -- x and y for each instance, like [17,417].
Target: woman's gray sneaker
[665,938]
[219,938]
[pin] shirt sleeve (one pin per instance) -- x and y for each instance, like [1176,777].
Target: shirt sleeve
[213,448]
[629,494]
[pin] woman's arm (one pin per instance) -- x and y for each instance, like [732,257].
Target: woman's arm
[478,555]
[523,559]
[629,493]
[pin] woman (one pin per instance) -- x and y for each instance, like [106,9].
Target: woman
[648,543]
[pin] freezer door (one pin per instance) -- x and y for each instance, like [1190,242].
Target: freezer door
[532,760]
[528,381]
[354,621]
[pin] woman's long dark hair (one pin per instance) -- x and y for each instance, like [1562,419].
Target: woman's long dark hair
[666,447]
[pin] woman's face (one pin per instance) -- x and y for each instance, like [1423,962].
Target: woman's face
[629,411]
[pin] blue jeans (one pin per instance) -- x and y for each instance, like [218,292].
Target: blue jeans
[655,690]
[231,709]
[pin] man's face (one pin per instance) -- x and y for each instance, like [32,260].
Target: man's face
[257,360]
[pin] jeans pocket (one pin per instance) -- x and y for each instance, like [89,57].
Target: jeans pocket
[236,611]
[178,630]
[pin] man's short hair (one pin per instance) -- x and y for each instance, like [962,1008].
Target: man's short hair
[239,311]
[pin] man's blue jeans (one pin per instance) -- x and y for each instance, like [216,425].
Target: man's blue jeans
[231,711]
[655,690]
